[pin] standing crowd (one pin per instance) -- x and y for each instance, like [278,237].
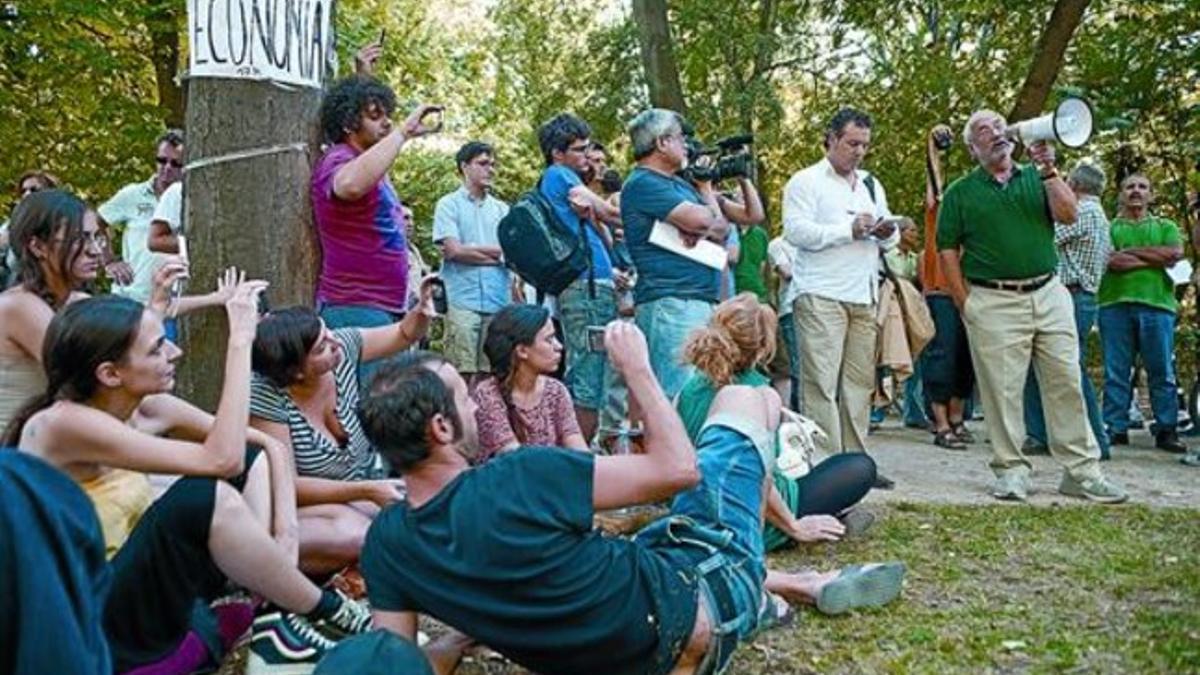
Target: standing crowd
[695,362]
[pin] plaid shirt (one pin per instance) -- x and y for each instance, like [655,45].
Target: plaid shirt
[1083,246]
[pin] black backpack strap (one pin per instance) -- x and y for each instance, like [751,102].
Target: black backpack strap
[869,183]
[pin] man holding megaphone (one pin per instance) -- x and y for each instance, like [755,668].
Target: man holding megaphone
[995,237]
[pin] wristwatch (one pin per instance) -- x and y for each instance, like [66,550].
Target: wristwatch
[1050,173]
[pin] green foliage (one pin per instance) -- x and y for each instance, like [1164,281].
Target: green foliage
[84,103]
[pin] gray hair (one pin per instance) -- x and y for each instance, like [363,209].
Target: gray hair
[975,117]
[1088,178]
[649,126]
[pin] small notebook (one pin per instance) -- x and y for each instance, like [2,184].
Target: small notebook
[704,252]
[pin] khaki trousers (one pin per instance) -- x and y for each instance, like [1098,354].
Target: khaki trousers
[837,348]
[1007,329]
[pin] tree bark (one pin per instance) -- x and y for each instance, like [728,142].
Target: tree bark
[658,55]
[253,212]
[163,24]
[1048,58]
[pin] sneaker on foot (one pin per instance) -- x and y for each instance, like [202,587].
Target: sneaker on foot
[1192,458]
[1101,490]
[861,586]
[1011,486]
[351,618]
[285,644]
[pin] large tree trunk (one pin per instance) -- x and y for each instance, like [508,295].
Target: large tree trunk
[1048,58]
[251,211]
[658,55]
[163,24]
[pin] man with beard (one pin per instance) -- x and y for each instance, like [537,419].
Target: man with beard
[506,551]
[1002,216]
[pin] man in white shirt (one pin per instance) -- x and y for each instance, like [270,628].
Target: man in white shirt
[837,217]
[131,210]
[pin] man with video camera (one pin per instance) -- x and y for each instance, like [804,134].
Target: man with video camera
[675,293]
[837,216]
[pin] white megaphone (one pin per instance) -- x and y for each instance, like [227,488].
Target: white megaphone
[1069,124]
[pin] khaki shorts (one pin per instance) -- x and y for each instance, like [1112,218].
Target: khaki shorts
[462,343]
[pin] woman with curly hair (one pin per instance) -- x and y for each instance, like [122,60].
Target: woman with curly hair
[739,340]
[519,403]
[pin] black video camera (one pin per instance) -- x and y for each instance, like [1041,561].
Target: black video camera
[730,158]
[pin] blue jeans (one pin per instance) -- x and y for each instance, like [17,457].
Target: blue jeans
[715,533]
[359,316]
[1128,328]
[914,398]
[667,322]
[1035,417]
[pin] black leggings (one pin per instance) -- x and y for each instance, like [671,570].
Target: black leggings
[835,484]
[162,570]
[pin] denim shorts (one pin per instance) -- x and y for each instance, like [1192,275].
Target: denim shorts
[667,322]
[714,533]
[586,370]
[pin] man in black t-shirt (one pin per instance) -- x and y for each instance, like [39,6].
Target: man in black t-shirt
[506,553]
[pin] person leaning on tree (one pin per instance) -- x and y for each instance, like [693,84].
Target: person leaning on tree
[1001,215]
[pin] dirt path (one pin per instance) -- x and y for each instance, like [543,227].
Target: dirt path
[926,473]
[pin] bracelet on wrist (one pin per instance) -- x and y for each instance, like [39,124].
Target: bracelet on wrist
[1049,174]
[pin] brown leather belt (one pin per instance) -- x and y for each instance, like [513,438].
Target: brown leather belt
[1017,285]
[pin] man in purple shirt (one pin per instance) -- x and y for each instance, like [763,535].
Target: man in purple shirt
[359,217]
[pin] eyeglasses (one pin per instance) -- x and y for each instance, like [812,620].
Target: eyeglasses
[89,239]
[579,148]
[167,160]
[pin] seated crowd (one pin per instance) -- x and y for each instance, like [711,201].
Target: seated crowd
[344,459]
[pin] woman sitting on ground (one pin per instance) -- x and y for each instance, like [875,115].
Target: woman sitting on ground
[106,419]
[304,394]
[738,340]
[59,245]
[519,403]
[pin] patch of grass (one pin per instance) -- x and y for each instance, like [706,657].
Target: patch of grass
[1008,589]
[999,589]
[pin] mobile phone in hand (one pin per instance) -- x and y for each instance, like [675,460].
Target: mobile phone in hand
[438,291]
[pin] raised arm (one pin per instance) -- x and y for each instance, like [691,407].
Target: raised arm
[749,211]
[361,174]
[669,463]
[96,437]
[387,340]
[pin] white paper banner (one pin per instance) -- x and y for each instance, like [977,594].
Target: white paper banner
[280,40]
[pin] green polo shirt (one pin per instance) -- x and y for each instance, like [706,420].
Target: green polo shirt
[1148,285]
[1005,231]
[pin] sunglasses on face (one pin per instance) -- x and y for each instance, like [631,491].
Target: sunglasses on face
[167,160]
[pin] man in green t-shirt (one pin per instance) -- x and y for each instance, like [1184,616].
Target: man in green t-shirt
[1137,314]
[995,237]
